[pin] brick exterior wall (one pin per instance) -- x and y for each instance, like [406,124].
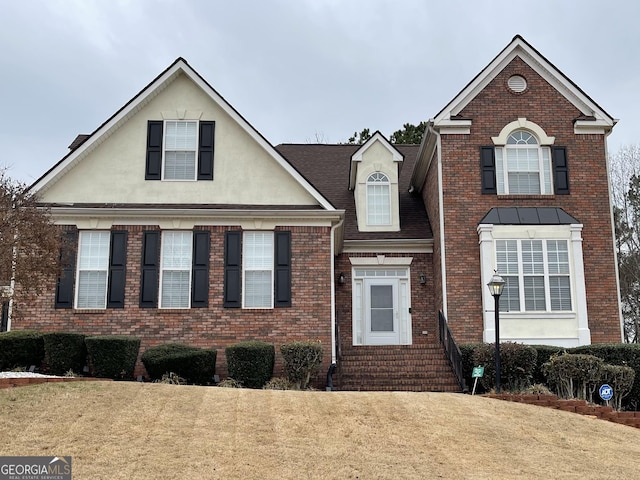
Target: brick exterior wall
[432,204]
[422,301]
[309,317]
[464,205]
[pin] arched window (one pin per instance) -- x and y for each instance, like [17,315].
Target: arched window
[378,199]
[523,167]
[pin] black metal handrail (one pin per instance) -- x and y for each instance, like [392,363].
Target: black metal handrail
[452,350]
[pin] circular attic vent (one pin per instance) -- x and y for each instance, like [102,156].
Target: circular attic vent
[517,84]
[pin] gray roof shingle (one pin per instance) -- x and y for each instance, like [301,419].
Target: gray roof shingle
[326,167]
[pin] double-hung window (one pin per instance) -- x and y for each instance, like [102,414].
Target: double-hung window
[523,167]
[175,269]
[258,269]
[378,199]
[93,269]
[537,275]
[180,150]
[180,147]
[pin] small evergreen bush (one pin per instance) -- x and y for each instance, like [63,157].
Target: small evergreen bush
[113,356]
[623,354]
[517,364]
[574,375]
[195,365]
[64,351]
[302,361]
[620,379]
[545,352]
[21,348]
[251,363]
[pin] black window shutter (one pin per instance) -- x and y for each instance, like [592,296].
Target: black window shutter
[66,280]
[205,150]
[200,270]
[153,167]
[560,171]
[150,269]
[232,269]
[117,269]
[488,170]
[282,267]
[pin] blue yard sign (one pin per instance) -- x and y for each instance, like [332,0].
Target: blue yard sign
[606,392]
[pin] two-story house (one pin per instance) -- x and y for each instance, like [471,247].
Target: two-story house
[186,225]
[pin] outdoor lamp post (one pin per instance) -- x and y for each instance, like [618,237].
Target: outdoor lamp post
[496,284]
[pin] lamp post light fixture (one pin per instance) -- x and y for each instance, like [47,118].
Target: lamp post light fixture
[496,285]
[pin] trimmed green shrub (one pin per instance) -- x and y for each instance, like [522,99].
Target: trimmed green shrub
[467,349]
[623,354]
[195,365]
[20,348]
[620,379]
[302,360]
[251,363]
[574,375]
[112,356]
[64,351]
[545,352]
[517,364]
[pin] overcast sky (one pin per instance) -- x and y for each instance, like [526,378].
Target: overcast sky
[297,70]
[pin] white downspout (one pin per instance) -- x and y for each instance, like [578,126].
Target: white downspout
[333,291]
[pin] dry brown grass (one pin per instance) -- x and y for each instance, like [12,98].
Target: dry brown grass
[135,431]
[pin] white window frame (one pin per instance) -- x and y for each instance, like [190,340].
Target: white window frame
[257,258]
[378,187]
[93,256]
[549,327]
[185,265]
[166,148]
[517,272]
[543,163]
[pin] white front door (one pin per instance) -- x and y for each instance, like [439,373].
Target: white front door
[381,311]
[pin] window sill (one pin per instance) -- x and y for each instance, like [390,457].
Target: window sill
[92,311]
[525,197]
[537,315]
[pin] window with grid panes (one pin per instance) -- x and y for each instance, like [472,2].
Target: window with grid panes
[175,269]
[257,264]
[523,167]
[378,199]
[93,269]
[537,275]
[180,147]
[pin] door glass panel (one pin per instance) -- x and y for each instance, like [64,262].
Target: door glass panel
[382,308]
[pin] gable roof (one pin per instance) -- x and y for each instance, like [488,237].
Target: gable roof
[593,114]
[357,156]
[81,147]
[327,168]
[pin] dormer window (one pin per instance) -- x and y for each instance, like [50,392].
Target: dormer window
[378,199]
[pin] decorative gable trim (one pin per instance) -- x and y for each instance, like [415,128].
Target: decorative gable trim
[146,95]
[357,156]
[519,47]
